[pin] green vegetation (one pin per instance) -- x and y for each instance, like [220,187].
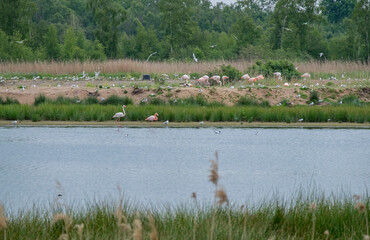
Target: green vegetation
[87,30]
[186,113]
[304,217]
[286,68]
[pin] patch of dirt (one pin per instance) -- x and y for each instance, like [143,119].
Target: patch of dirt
[227,95]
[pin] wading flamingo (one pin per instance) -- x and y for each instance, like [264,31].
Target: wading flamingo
[119,115]
[152,118]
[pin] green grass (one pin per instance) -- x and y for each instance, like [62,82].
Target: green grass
[186,113]
[282,219]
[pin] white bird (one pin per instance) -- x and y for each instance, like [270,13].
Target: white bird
[166,122]
[14,122]
[119,115]
[151,55]
[311,104]
[212,46]
[20,41]
[201,122]
[288,29]
[321,54]
[340,102]
[217,132]
[300,120]
[195,59]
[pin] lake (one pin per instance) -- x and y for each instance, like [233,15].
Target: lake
[165,165]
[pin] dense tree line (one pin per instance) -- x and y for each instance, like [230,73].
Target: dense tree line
[175,29]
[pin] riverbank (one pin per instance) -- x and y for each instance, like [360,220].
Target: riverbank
[134,124]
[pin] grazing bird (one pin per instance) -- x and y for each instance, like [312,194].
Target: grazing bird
[245,77]
[119,115]
[185,78]
[152,118]
[306,75]
[277,75]
[217,79]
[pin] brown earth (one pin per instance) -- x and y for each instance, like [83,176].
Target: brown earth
[227,95]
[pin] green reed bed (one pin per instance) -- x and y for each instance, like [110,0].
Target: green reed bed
[98,112]
[305,217]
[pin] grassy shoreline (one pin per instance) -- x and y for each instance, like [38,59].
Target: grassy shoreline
[191,124]
[307,216]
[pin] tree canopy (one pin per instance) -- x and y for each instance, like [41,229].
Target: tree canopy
[167,30]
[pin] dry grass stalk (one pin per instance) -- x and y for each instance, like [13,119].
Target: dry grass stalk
[194,197]
[222,196]
[65,218]
[80,229]
[213,177]
[2,218]
[360,206]
[154,234]
[127,65]
[366,237]
[123,226]
[326,233]
[244,235]
[63,236]
[138,229]
[313,208]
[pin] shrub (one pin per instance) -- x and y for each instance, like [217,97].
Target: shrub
[116,100]
[230,71]
[8,101]
[351,99]
[314,96]
[249,101]
[286,68]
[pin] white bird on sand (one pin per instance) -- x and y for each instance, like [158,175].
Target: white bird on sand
[166,122]
[119,115]
[201,122]
[14,122]
[195,59]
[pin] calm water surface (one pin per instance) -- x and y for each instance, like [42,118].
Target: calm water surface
[161,165]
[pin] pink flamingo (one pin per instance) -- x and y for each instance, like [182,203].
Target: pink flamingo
[152,118]
[245,77]
[185,78]
[119,115]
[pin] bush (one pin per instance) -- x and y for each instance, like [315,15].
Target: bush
[314,96]
[116,100]
[351,99]
[249,101]
[286,68]
[230,71]
[8,101]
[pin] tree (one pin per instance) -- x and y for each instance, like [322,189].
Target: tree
[177,22]
[15,16]
[361,19]
[337,10]
[51,44]
[108,15]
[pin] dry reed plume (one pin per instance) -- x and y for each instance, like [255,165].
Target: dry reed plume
[360,206]
[313,209]
[138,228]
[326,233]
[3,220]
[123,226]
[213,177]
[80,229]
[154,233]
[127,65]
[194,197]
[67,224]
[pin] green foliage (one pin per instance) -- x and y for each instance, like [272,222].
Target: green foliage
[230,71]
[116,100]
[250,101]
[314,96]
[285,67]
[352,99]
[8,101]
